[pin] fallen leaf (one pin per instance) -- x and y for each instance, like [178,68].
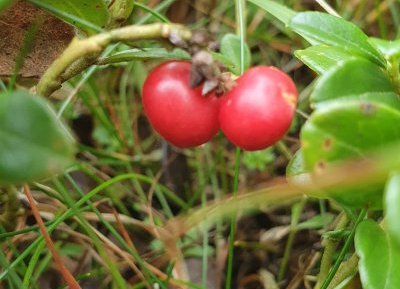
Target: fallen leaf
[51,39]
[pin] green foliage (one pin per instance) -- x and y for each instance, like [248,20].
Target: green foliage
[316,222]
[88,15]
[146,54]
[4,4]
[230,53]
[321,58]
[392,205]
[390,49]
[348,129]
[279,11]
[349,80]
[322,28]
[379,255]
[34,143]
[258,160]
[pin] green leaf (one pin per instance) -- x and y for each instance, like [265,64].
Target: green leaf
[34,143]
[145,54]
[226,61]
[321,58]
[88,15]
[316,222]
[388,98]
[392,206]
[281,12]
[230,49]
[349,129]
[258,160]
[390,49]
[322,28]
[379,254]
[353,77]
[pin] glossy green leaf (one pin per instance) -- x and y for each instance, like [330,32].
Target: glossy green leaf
[281,12]
[388,48]
[34,143]
[353,77]
[230,50]
[349,129]
[88,15]
[322,28]
[388,98]
[321,58]
[379,264]
[392,206]
[145,54]
[258,160]
[316,222]
[226,61]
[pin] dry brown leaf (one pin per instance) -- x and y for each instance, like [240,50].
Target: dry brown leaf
[51,39]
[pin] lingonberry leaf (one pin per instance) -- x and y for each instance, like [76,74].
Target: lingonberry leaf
[349,78]
[379,254]
[392,207]
[347,129]
[34,144]
[321,28]
[321,58]
[230,49]
[390,49]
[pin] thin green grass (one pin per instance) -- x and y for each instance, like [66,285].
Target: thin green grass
[241,25]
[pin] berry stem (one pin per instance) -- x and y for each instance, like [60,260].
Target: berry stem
[241,20]
[81,53]
[233,222]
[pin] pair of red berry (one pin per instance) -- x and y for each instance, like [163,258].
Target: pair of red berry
[254,115]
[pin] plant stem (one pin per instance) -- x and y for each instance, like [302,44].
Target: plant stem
[240,19]
[296,214]
[81,53]
[202,185]
[343,252]
[346,269]
[11,206]
[284,150]
[233,222]
[330,249]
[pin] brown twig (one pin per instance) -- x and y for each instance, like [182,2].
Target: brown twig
[69,279]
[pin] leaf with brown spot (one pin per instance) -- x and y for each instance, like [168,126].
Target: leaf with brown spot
[346,129]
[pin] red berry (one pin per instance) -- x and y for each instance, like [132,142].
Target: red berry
[179,113]
[259,110]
